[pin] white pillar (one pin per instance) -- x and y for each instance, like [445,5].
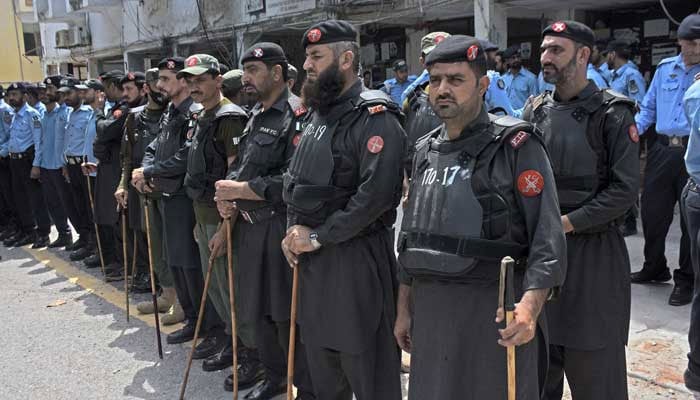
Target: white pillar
[491,22]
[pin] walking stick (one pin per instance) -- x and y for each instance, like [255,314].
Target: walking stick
[97,232]
[126,263]
[202,303]
[133,260]
[153,278]
[292,335]
[506,301]
[231,299]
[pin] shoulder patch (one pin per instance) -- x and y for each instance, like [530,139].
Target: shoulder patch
[375,144]
[537,101]
[117,113]
[518,139]
[530,183]
[633,87]
[501,85]
[376,109]
[300,111]
[37,122]
[296,139]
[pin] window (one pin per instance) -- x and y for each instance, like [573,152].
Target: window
[32,39]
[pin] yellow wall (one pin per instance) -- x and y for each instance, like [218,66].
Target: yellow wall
[10,70]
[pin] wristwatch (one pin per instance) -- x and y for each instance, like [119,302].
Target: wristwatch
[313,238]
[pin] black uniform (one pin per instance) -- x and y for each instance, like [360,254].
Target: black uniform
[593,146]
[264,279]
[106,146]
[164,166]
[344,182]
[474,200]
[420,119]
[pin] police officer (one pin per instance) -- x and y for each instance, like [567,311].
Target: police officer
[593,146]
[292,76]
[215,136]
[520,83]
[496,98]
[427,43]
[691,212]
[255,184]
[9,220]
[342,190]
[395,86]
[665,174]
[598,67]
[483,183]
[53,183]
[32,98]
[77,201]
[625,78]
[24,148]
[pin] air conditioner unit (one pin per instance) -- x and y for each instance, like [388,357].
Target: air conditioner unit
[63,38]
[80,37]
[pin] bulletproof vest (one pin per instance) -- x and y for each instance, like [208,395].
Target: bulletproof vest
[455,216]
[103,149]
[576,141]
[420,120]
[146,131]
[309,188]
[207,161]
[171,137]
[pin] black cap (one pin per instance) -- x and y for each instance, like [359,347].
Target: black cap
[456,48]
[487,46]
[511,51]
[138,77]
[54,80]
[31,88]
[21,86]
[329,31]
[115,75]
[174,64]
[573,30]
[400,65]
[690,27]
[91,84]
[265,52]
[68,83]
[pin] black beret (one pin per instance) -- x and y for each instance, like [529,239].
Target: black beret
[330,31]
[18,86]
[400,65]
[114,74]
[138,77]
[573,30]
[53,80]
[174,64]
[690,27]
[31,88]
[265,52]
[511,52]
[456,48]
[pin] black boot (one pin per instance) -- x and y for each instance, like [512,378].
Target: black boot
[63,240]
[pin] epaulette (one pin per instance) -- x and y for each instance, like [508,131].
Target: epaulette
[230,109]
[376,101]
[137,109]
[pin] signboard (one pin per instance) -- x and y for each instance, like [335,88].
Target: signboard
[661,51]
[280,7]
[655,27]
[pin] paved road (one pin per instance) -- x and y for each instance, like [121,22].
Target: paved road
[84,349]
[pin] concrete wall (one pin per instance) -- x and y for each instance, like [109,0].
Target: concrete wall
[15,66]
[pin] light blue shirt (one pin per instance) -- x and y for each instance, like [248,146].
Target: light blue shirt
[395,90]
[628,81]
[663,103]
[605,71]
[39,106]
[691,105]
[596,75]
[76,130]
[54,124]
[543,86]
[26,132]
[6,114]
[422,78]
[90,134]
[520,86]
[496,96]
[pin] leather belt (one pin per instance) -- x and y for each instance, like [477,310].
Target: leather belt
[19,156]
[260,214]
[74,160]
[672,140]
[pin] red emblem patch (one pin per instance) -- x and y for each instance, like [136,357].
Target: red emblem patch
[300,111]
[314,35]
[438,39]
[258,52]
[192,61]
[376,109]
[130,76]
[375,144]
[296,139]
[518,139]
[634,133]
[171,65]
[559,26]
[117,113]
[472,52]
[530,183]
